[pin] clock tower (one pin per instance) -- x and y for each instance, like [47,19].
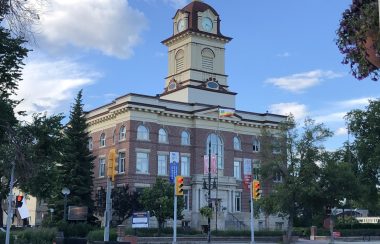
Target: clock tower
[196,55]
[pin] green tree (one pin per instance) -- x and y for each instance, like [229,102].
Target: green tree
[365,127]
[294,156]
[124,203]
[76,167]
[159,200]
[45,156]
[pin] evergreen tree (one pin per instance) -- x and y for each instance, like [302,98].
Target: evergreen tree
[76,169]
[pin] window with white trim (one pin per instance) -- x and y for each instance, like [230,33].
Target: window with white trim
[90,144]
[142,133]
[185,138]
[256,144]
[276,145]
[121,162]
[185,165]
[162,136]
[237,169]
[103,140]
[237,201]
[186,200]
[237,144]
[122,133]
[217,148]
[142,163]
[102,167]
[162,164]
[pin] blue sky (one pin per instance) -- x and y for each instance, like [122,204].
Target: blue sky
[282,58]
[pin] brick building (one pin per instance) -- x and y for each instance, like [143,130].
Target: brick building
[184,118]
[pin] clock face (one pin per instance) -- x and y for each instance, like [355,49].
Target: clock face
[181,25]
[207,24]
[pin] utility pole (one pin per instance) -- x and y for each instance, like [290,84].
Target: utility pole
[209,191]
[10,209]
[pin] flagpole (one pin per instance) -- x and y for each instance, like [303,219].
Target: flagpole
[217,175]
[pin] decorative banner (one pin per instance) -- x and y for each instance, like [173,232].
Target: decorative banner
[174,157]
[173,166]
[247,166]
[213,164]
[247,172]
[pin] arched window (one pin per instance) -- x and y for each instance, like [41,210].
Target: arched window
[103,140]
[237,144]
[276,145]
[217,148]
[90,143]
[256,144]
[142,133]
[185,138]
[122,133]
[208,57]
[179,61]
[162,136]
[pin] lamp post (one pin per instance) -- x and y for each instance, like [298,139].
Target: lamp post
[65,191]
[51,213]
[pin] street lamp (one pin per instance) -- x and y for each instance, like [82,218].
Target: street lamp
[51,213]
[65,191]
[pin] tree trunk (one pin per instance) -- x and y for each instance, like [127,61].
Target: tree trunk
[1,212]
[289,231]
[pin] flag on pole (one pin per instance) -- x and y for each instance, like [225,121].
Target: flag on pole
[224,112]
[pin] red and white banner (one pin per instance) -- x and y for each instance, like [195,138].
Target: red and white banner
[206,164]
[247,172]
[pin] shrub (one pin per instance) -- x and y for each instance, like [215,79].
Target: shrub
[37,236]
[2,238]
[75,229]
[98,235]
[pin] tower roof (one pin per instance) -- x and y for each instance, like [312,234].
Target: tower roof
[198,6]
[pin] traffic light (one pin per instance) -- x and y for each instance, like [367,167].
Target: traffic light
[19,201]
[111,164]
[179,185]
[256,189]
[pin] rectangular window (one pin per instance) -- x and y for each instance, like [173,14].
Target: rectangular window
[185,166]
[256,169]
[121,163]
[237,201]
[102,167]
[162,165]
[277,177]
[279,225]
[142,163]
[186,200]
[237,170]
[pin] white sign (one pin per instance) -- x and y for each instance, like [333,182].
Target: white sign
[174,157]
[140,220]
[23,210]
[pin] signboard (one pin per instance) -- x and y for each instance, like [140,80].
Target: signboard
[174,162]
[23,210]
[206,164]
[140,220]
[77,213]
[336,234]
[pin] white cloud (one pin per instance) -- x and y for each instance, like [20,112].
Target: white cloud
[47,85]
[112,27]
[341,131]
[298,110]
[178,4]
[357,102]
[302,81]
[332,117]
[283,55]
